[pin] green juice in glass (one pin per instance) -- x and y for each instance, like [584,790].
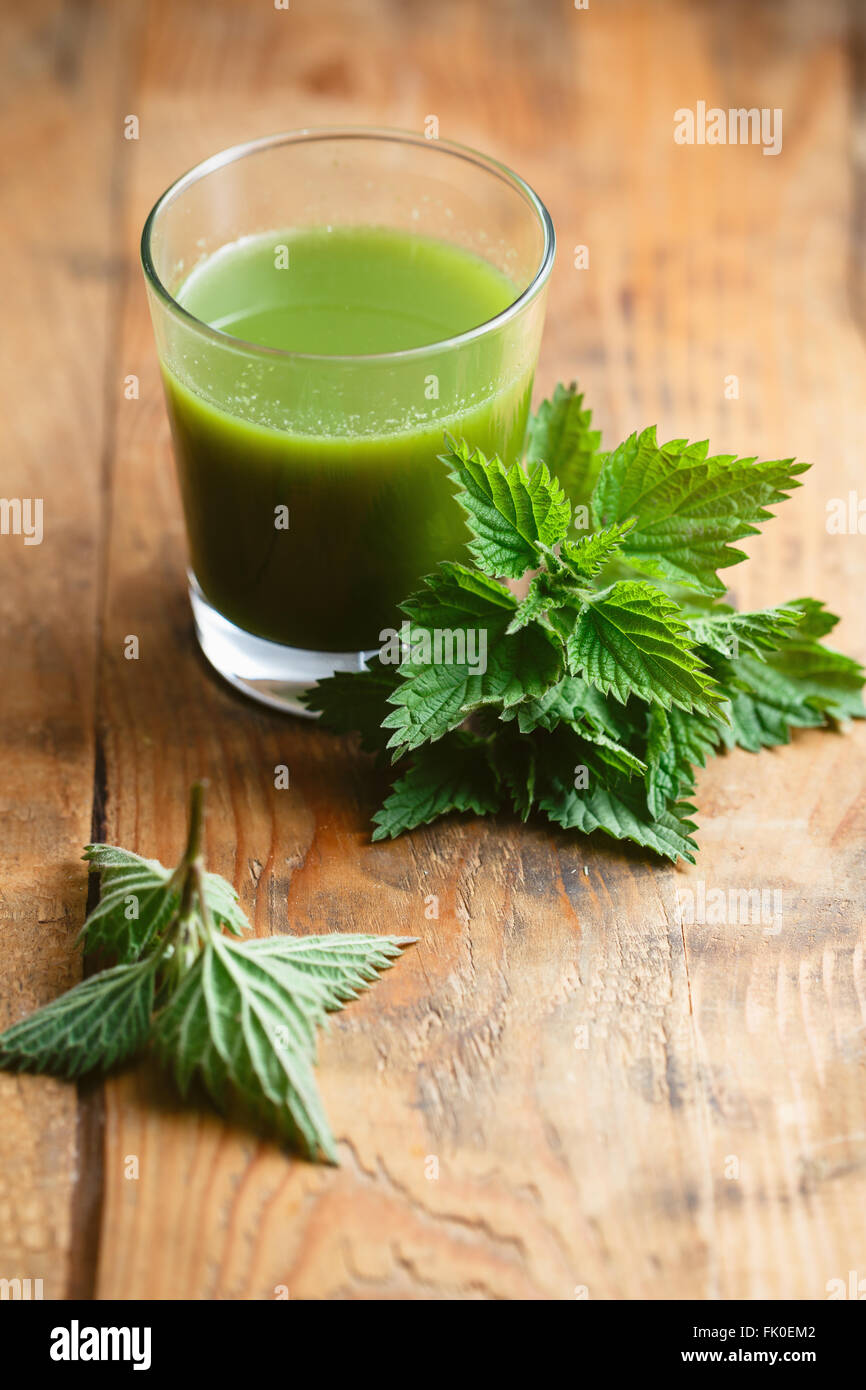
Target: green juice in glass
[306,527]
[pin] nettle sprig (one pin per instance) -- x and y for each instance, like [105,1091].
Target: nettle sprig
[621,670]
[238,1016]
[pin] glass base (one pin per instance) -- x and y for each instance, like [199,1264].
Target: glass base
[266,671]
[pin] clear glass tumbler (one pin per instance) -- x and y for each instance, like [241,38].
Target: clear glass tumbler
[312,489]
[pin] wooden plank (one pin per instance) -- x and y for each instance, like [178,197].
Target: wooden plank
[60,134]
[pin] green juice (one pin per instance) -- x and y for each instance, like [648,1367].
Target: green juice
[312,511]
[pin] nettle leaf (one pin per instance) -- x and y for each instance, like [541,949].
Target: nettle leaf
[356,702]
[731,633]
[244,1021]
[458,598]
[688,507]
[635,680]
[241,1017]
[546,591]
[613,805]
[138,900]
[629,640]
[676,744]
[236,1028]
[512,514]
[815,620]
[560,435]
[344,965]
[613,753]
[102,1021]
[455,775]
[800,686]
[515,762]
[571,701]
[437,693]
[584,558]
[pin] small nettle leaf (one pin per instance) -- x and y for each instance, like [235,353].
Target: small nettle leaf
[730,633]
[676,744]
[623,815]
[224,905]
[586,557]
[455,775]
[235,1026]
[561,435]
[352,702]
[100,1022]
[613,805]
[815,620]
[239,1016]
[688,507]
[138,899]
[458,597]
[344,964]
[613,753]
[800,686]
[245,1017]
[572,701]
[442,684]
[512,514]
[629,640]
[546,591]
[434,699]
[515,763]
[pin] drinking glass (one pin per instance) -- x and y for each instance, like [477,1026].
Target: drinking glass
[313,490]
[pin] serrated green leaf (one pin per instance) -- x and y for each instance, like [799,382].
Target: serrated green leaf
[731,633]
[614,805]
[815,620]
[138,900]
[586,557]
[515,764]
[342,964]
[101,1021]
[676,744]
[244,1021]
[436,694]
[546,591]
[456,597]
[800,686]
[613,753]
[512,514]
[355,702]
[455,775]
[561,435]
[629,640]
[688,507]
[571,701]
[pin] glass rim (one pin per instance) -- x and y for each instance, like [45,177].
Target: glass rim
[314,133]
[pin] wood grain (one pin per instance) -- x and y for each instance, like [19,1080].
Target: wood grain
[617,1103]
[61,267]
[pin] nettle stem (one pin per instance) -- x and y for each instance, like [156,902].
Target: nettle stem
[185,935]
[196,822]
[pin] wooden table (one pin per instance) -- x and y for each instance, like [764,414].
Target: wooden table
[709,1139]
